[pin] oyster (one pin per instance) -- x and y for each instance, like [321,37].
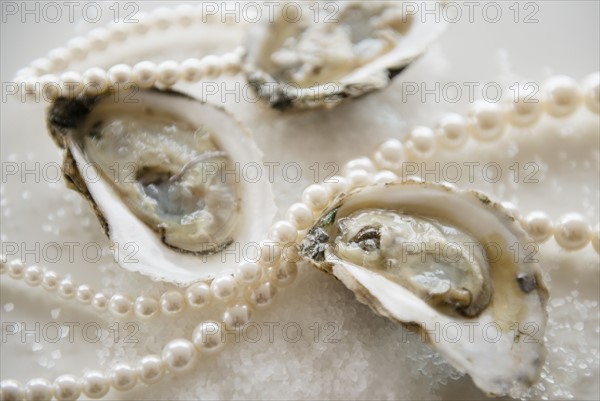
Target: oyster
[451,264]
[165,175]
[330,51]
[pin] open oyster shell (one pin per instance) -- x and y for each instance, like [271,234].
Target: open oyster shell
[451,264]
[326,52]
[165,176]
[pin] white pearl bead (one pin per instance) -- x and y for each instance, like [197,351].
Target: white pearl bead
[95,384]
[120,31]
[263,295]
[179,355]
[11,390]
[487,121]
[172,302]
[539,226]
[123,377]
[390,155]
[360,163]
[384,177]
[283,232]
[38,390]
[185,14]
[596,239]
[359,178]
[270,253]
[237,316]
[67,387]
[144,74]
[100,302]
[59,58]
[336,185]
[33,276]
[207,337]
[72,84]
[79,47]
[290,253]
[525,110]
[94,81]
[120,306]
[451,131]
[50,281]
[211,66]
[146,307]
[572,232]
[41,66]
[300,215]
[144,23]
[163,17]
[99,39]
[119,74]
[25,72]
[248,273]
[84,294]
[51,87]
[240,51]
[168,73]
[3,263]
[16,269]
[316,197]
[152,369]
[421,142]
[231,63]
[524,114]
[591,92]
[223,288]
[198,295]
[66,288]
[562,96]
[283,274]
[191,70]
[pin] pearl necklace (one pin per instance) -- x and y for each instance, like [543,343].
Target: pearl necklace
[43,78]
[254,285]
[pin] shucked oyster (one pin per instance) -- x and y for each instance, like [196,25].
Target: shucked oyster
[451,264]
[164,174]
[322,53]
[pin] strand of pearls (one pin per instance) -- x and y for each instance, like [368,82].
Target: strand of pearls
[487,122]
[223,288]
[170,303]
[48,78]
[145,74]
[100,39]
[252,286]
[571,231]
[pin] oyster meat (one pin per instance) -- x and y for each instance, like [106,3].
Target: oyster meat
[450,264]
[164,174]
[342,49]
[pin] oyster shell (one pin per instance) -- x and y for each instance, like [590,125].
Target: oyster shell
[340,50]
[164,173]
[435,258]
